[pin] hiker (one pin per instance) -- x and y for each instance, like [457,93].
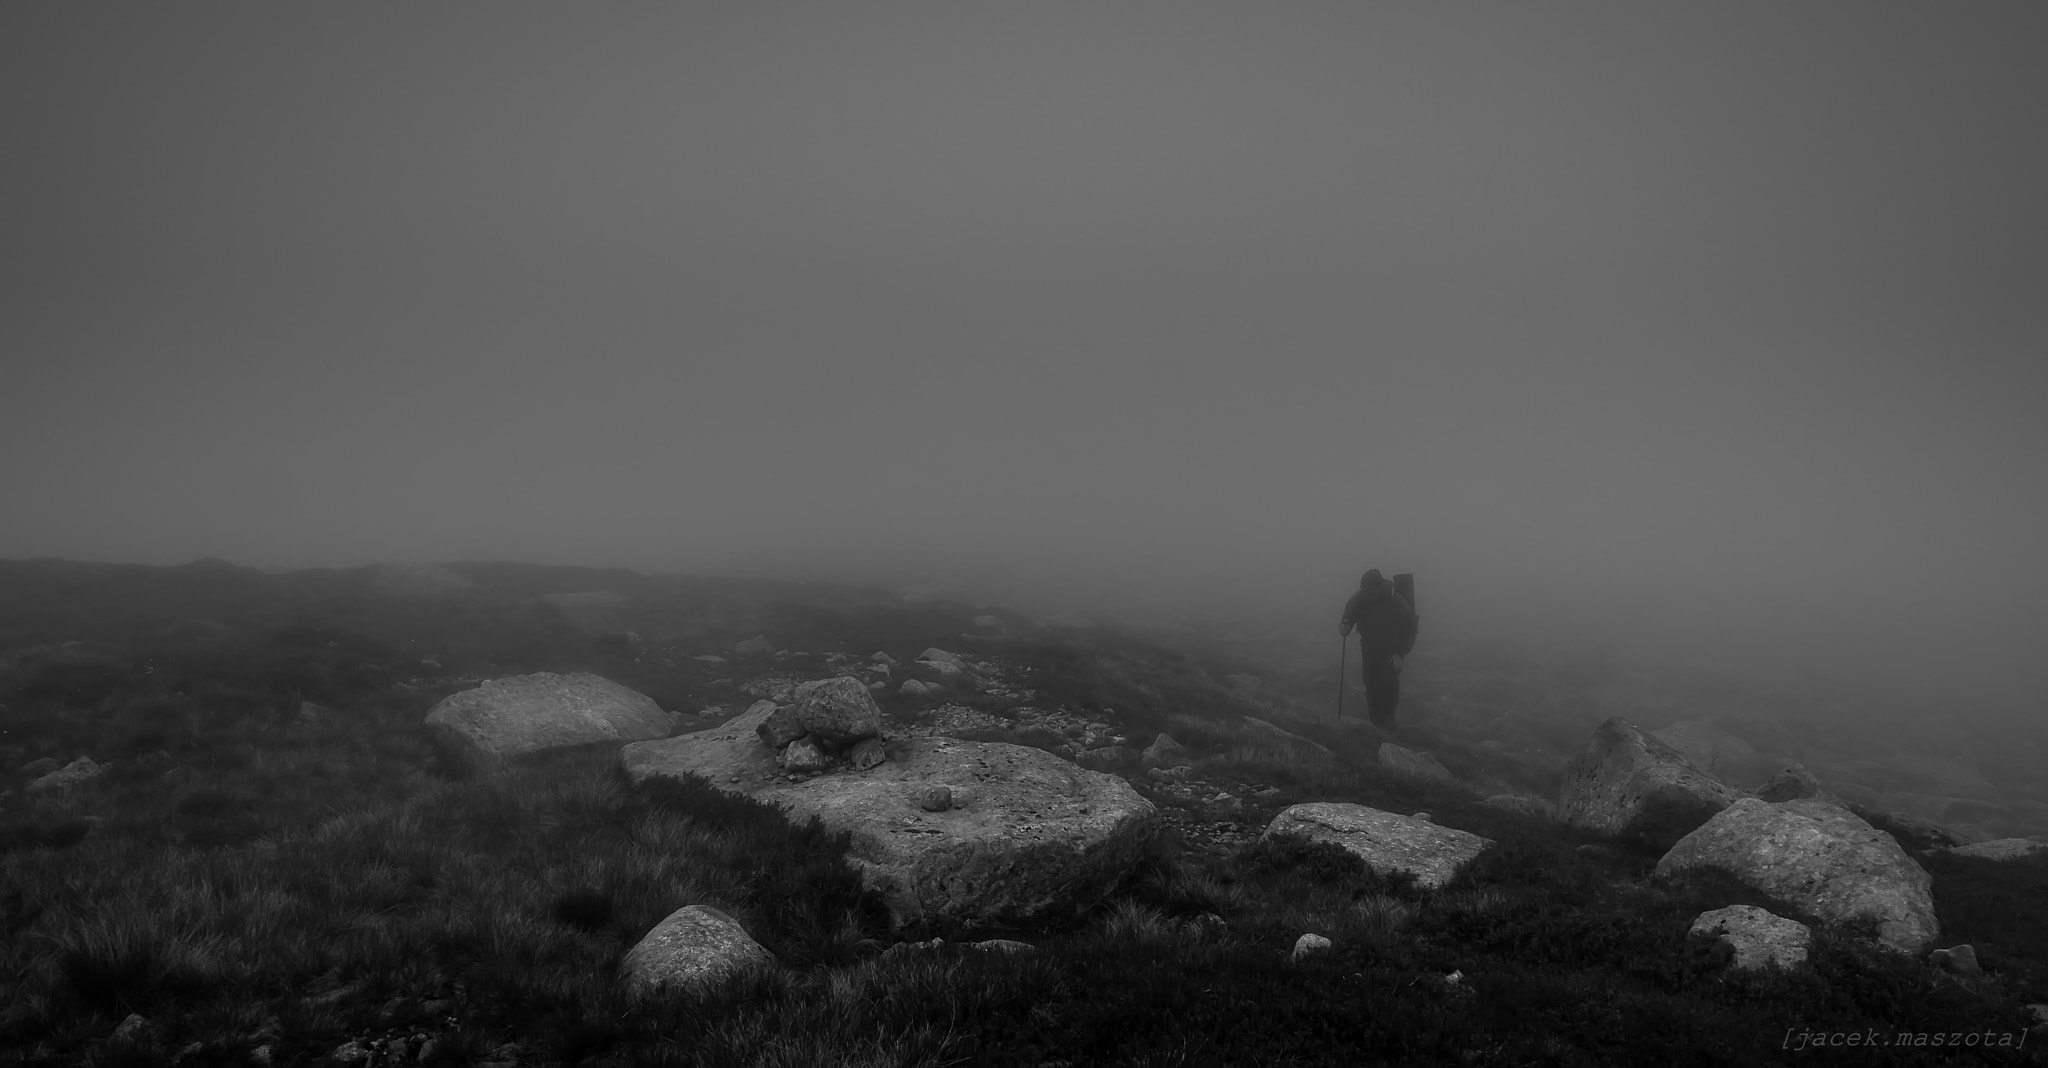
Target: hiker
[1386,625]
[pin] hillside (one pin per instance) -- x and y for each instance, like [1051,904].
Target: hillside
[277,863]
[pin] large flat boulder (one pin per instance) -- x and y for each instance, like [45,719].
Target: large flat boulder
[1384,840]
[1020,833]
[1631,785]
[522,714]
[1820,858]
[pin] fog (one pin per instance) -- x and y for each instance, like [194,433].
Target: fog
[1717,330]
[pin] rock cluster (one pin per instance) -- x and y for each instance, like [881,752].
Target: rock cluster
[827,722]
[1821,859]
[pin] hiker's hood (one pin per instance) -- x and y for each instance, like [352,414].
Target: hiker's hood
[1372,581]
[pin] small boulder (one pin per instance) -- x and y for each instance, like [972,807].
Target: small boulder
[1631,785]
[692,951]
[1960,960]
[916,688]
[1760,938]
[867,753]
[1002,945]
[40,766]
[1165,752]
[1384,840]
[135,1029]
[1410,762]
[78,771]
[837,711]
[1309,944]
[781,726]
[994,623]
[935,798]
[758,645]
[803,755]
[1821,859]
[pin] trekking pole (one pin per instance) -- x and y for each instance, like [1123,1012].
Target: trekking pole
[1341,649]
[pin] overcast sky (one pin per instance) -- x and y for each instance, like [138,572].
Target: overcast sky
[1722,324]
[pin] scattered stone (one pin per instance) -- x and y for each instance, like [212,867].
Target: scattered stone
[1760,938]
[2002,849]
[709,659]
[78,771]
[989,622]
[916,688]
[1227,803]
[136,1030]
[1631,785]
[1410,762]
[1384,840]
[780,727]
[1165,752]
[1269,734]
[1961,960]
[837,711]
[803,755]
[1179,774]
[867,753]
[882,658]
[1821,859]
[350,1052]
[521,714]
[935,798]
[904,949]
[758,645]
[695,949]
[261,1054]
[1003,945]
[1308,944]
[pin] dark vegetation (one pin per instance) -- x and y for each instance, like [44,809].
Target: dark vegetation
[248,873]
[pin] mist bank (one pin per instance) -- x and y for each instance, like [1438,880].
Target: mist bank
[1904,650]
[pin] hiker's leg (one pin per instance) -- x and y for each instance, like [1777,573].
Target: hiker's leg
[1377,707]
